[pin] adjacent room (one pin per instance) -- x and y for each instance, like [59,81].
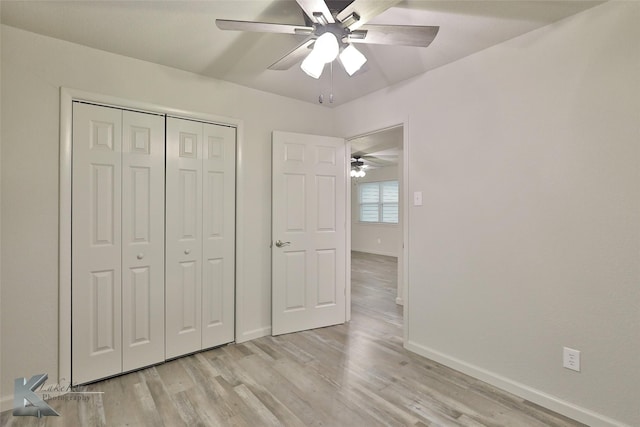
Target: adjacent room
[308,212]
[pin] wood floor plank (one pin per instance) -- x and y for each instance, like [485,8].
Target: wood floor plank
[263,415]
[147,406]
[355,374]
[121,407]
[210,394]
[161,398]
[284,390]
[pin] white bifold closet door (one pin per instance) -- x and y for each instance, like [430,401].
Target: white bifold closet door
[200,235]
[117,241]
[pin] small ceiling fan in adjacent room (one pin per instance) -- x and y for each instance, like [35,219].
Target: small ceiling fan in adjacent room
[332,30]
[358,167]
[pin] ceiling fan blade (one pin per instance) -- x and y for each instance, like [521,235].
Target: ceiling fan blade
[402,35]
[314,7]
[293,57]
[366,10]
[262,27]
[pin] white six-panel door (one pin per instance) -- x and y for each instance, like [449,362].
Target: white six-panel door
[200,233]
[96,249]
[308,232]
[218,231]
[117,241]
[183,266]
[142,239]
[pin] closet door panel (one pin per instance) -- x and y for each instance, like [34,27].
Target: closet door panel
[142,239]
[96,243]
[183,237]
[219,235]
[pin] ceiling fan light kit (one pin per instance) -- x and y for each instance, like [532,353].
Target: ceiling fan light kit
[357,168]
[360,173]
[325,50]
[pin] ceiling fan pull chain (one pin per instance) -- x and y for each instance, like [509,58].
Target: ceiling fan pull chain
[321,96]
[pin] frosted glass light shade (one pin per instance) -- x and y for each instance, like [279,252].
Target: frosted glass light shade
[326,47]
[313,65]
[352,59]
[358,172]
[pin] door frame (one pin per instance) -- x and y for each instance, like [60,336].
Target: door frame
[405,220]
[67,97]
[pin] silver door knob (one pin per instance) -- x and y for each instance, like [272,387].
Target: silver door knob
[281,244]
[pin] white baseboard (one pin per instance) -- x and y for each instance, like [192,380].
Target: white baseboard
[541,398]
[252,335]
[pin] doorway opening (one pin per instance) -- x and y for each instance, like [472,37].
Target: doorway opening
[377,221]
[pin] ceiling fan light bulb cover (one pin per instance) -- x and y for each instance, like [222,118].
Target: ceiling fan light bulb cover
[313,65]
[327,47]
[352,59]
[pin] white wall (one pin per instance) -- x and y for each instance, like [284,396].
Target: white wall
[528,157]
[33,69]
[381,239]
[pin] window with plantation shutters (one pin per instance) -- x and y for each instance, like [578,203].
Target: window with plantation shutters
[379,202]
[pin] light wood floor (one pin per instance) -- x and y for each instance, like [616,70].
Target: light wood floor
[357,374]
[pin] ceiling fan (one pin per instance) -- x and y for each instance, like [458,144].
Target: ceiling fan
[357,167]
[332,28]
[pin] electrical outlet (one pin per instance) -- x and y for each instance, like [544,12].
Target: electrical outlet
[571,359]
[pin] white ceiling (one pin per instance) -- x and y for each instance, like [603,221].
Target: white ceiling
[379,149]
[183,34]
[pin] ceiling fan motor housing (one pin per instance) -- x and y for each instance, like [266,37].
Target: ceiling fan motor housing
[341,33]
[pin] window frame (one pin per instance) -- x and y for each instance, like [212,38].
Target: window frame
[380,203]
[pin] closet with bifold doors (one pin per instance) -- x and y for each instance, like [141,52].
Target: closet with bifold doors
[152,239]
[200,235]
